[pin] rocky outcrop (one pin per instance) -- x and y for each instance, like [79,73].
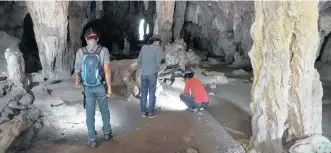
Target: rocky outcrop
[12,14]
[179,18]
[78,17]
[164,19]
[286,87]
[222,28]
[50,23]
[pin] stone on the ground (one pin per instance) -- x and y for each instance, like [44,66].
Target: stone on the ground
[39,90]
[12,129]
[214,61]
[239,72]
[210,77]
[3,119]
[178,84]
[313,144]
[191,150]
[175,52]
[193,58]
[213,86]
[12,96]
[27,99]
[5,87]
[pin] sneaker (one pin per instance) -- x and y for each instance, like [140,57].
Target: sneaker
[201,109]
[143,114]
[152,115]
[108,136]
[92,144]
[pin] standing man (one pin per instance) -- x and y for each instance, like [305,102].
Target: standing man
[92,68]
[149,61]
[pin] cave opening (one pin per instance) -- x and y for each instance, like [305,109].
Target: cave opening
[123,28]
[28,46]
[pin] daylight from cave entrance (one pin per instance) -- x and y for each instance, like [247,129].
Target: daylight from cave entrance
[141,29]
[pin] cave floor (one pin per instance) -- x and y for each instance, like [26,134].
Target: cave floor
[173,131]
[214,130]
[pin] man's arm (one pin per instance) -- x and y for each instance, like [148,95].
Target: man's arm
[140,58]
[158,57]
[78,61]
[106,68]
[186,89]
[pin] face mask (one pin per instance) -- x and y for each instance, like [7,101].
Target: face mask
[91,43]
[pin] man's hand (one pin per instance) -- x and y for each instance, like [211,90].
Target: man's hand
[77,84]
[109,92]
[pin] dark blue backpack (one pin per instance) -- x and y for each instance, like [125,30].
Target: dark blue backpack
[92,73]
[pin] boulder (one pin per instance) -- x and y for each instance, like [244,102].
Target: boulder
[313,144]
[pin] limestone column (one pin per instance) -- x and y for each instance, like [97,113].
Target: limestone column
[286,87]
[50,25]
[179,18]
[164,20]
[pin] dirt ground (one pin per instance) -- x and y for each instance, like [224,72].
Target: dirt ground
[173,131]
[224,127]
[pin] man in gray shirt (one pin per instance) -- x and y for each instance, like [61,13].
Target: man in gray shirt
[149,61]
[90,60]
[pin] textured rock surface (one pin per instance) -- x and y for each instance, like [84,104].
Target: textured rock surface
[12,129]
[179,17]
[79,14]
[12,15]
[222,28]
[164,20]
[315,143]
[283,65]
[6,41]
[16,67]
[50,21]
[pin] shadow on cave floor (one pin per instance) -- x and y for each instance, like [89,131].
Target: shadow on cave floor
[172,131]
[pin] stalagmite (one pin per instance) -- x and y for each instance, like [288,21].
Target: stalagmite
[50,24]
[179,18]
[78,17]
[286,87]
[99,12]
[164,20]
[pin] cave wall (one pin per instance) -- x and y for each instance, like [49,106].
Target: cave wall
[286,91]
[12,14]
[51,30]
[223,26]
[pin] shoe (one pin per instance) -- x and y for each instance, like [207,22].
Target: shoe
[143,114]
[152,115]
[192,110]
[108,136]
[201,109]
[92,144]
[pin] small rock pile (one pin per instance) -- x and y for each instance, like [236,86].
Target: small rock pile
[19,119]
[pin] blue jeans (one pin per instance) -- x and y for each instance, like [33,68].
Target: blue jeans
[189,102]
[148,85]
[93,94]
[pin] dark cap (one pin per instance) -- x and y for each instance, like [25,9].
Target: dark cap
[91,34]
[156,37]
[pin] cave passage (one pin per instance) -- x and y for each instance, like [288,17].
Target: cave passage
[29,48]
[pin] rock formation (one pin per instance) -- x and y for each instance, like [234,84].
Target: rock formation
[164,20]
[50,22]
[286,87]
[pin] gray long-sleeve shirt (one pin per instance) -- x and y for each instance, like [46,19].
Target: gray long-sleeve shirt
[149,59]
[104,57]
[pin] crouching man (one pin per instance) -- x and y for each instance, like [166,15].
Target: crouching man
[195,95]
